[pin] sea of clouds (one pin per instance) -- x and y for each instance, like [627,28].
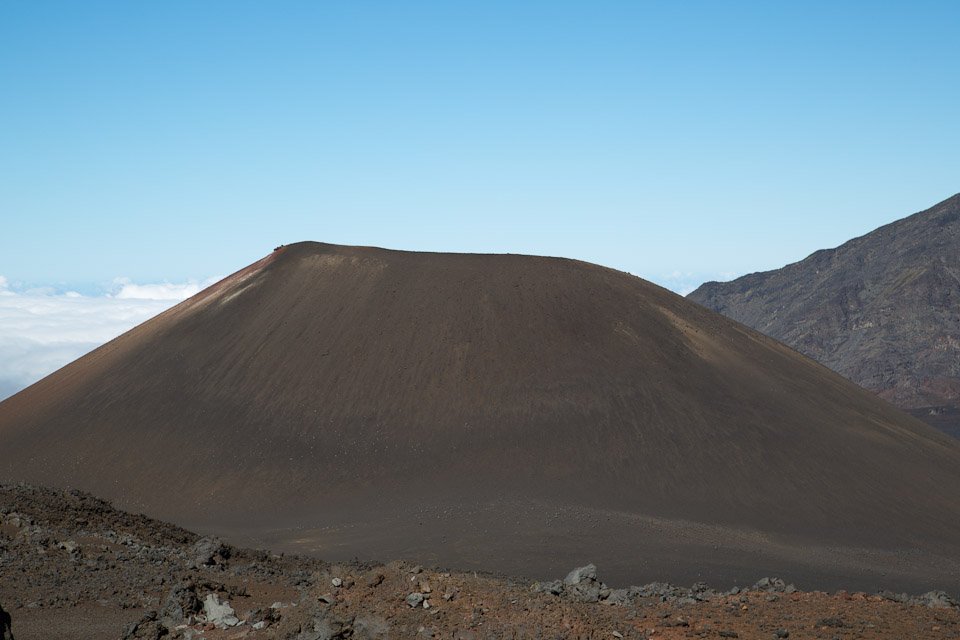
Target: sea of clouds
[42,329]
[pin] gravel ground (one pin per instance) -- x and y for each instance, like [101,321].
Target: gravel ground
[71,566]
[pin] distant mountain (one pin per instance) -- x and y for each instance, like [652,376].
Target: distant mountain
[882,310]
[500,412]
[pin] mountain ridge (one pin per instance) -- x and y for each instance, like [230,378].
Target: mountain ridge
[882,309]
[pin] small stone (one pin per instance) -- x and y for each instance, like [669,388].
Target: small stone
[617,634]
[830,622]
[726,633]
[337,582]
[415,599]
[69,546]
[781,633]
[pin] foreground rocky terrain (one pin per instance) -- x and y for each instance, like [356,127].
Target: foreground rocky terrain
[71,566]
[882,310]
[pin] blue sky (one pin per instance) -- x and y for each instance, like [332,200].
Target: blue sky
[172,142]
[175,140]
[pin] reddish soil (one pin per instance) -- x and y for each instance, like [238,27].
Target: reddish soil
[125,568]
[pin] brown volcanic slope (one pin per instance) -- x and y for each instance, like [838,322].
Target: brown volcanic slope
[512,413]
[883,310]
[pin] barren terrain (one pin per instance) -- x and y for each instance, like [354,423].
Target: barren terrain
[72,567]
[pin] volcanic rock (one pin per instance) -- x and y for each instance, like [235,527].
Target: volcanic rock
[221,614]
[497,412]
[882,309]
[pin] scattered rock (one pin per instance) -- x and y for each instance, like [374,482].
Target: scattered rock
[147,628]
[770,584]
[936,600]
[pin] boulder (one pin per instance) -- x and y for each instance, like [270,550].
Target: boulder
[209,551]
[221,614]
[181,603]
[578,575]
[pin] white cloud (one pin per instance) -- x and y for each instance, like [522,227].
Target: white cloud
[127,290]
[42,330]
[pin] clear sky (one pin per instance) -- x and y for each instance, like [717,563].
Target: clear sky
[680,141]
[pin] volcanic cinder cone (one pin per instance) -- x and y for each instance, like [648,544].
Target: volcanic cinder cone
[503,412]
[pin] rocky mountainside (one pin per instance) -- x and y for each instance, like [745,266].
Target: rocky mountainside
[74,568]
[494,412]
[882,310]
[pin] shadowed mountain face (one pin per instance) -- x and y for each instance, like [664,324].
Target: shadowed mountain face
[509,413]
[882,310]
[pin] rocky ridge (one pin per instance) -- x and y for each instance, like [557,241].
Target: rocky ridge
[883,310]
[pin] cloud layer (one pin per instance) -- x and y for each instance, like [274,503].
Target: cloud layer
[42,330]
